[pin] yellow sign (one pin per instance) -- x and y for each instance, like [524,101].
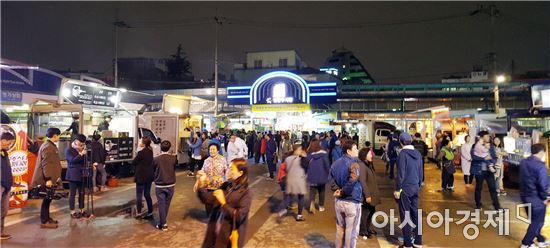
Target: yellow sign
[258,108]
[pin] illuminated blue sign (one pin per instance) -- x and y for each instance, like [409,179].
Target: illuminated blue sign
[282,87]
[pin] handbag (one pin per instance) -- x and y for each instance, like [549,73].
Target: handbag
[234,237]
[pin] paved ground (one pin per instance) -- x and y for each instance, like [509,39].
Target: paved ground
[115,228]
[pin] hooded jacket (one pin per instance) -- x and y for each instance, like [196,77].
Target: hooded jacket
[336,153]
[319,167]
[533,183]
[409,170]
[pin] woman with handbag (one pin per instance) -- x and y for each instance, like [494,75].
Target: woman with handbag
[446,156]
[296,185]
[228,221]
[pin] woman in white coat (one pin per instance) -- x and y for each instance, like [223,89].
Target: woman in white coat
[466,160]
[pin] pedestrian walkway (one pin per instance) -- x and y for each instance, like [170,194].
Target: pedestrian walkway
[187,220]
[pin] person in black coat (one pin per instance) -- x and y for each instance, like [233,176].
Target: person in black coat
[99,156]
[371,193]
[76,157]
[144,175]
[257,147]
[231,207]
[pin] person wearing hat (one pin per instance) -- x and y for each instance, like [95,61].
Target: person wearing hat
[393,153]
[408,183]
[48,172]
[7,179]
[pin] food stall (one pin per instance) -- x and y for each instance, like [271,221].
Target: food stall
[525,129]
[91,102]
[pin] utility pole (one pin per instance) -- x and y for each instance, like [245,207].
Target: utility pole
[493,13]
[218,23]
[118,24]
[116,48]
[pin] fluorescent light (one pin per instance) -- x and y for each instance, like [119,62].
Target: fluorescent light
[123,90]
[114,99]
[66,92]
[323,94]
[322,84]
[241,96]
[93,84]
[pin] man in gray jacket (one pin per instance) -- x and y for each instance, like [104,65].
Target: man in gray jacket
[48,172]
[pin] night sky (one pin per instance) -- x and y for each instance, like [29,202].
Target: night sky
[403,46]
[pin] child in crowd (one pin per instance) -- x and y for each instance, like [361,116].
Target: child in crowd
[165,182]
[484,152]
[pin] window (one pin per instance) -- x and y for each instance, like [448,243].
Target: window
[384,132]
[258,63]
[283,62]
[148,133]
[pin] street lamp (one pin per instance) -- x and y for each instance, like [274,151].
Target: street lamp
[499,79]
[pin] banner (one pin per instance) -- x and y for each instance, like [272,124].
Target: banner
[258,108]
[19,160]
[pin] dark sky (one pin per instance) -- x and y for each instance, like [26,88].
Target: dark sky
[79,35]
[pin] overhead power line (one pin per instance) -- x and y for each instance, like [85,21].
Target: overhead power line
[263,24]
[285,25]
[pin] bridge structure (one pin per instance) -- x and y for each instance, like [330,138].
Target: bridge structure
[396,97]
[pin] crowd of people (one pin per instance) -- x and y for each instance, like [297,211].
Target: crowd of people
[301,164]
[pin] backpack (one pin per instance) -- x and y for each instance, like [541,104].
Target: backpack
[393,150]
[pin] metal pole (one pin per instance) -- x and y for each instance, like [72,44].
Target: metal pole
[116,55]
[216,69]
[497,98]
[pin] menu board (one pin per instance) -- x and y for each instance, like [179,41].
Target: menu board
[90,95]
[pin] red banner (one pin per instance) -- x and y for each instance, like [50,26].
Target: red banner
[19,160]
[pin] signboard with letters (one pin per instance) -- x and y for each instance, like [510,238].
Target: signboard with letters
[92,94]
[281,87]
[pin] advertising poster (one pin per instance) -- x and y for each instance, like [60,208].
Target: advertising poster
[19,160]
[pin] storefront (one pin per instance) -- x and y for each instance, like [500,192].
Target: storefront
[91,103]
[524,129]
[282,100]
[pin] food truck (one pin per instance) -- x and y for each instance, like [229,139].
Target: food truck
[175,122]
[91,103]
[526,128]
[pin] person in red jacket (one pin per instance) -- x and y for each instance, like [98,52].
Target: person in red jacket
[263,148]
